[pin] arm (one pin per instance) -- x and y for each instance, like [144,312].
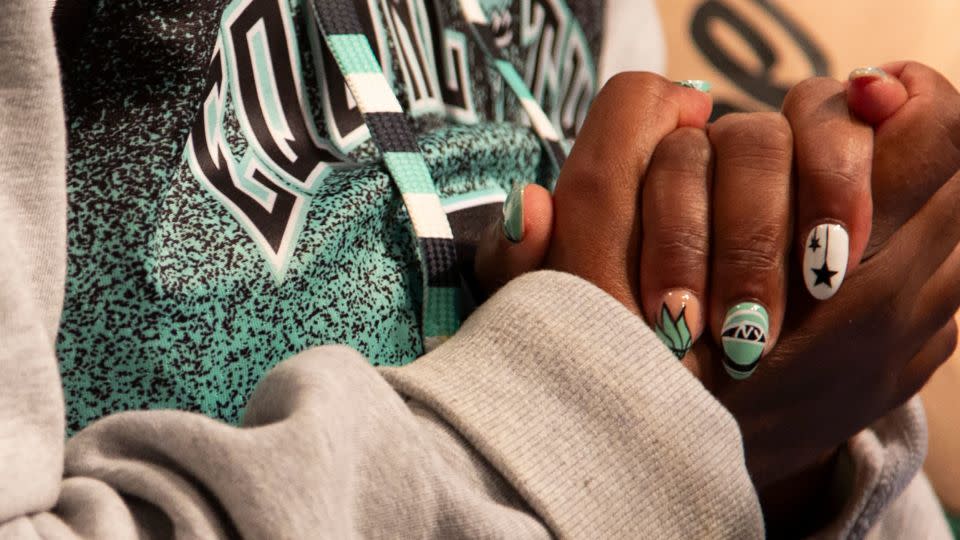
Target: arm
[32,244]
[327,444]
[554,411]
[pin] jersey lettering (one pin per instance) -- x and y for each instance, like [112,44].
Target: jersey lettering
[256,78]
[266,80]
[559,67]
[264,207]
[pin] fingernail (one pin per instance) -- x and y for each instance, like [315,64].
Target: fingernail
[513,214]
[868,74]
[680,321]
[744,336]
[696,84]
[825,259]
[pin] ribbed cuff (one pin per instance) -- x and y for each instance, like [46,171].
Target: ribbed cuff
[880,464]
[590,418]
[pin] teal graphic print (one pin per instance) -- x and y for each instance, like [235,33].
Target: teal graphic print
[227,208]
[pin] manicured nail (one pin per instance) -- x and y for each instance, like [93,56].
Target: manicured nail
[868,74]
[744,336]
[513,214]
[680,321]
[696,84]
[825,259]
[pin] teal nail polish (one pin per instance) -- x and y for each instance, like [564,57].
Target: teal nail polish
[744,336]
[513,214]
[696,84]
[869,72]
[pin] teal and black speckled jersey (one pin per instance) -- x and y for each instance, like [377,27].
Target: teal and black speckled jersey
[227,208]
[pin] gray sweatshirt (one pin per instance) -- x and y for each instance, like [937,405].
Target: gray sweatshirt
[553,412]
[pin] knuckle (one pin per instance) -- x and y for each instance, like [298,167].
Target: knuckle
[757,253]
[595,181]
[582,179]
[846,177]
[913,70]
[687,241]
[753,134]
[809,94]
[684,150]
[636,90]
[773,131]
[628,82]
[921,76]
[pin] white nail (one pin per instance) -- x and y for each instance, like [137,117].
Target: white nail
[825,259]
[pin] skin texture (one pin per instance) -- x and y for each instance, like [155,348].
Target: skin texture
[782,408]
[925,128]
[888,328]
[674,261]
[914,95]
[834,154]
[755,152]
[752,202]
[642,109]
[499,260]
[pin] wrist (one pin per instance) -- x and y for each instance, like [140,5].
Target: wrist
[799,505]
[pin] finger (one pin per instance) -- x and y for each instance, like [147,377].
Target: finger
[751,235]
[939,298]
[596,234]
[518,242]
[873,95]
[676,223]
[915,151]
[934,307]
[918,78]
[921,367]
[927,241]
[833,154]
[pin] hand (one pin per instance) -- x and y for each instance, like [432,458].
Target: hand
[843,363]
[840,364]
[594,234]
[755,213]
[834,373]
[597,225]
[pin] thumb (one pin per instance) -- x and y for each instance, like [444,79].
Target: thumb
[874,95]
[518,242]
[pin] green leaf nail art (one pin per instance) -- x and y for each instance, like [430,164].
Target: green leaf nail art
[674,333]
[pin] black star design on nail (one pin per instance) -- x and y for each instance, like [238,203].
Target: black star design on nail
[824,275]
[815,243]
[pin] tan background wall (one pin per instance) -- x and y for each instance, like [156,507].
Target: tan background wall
[849,33]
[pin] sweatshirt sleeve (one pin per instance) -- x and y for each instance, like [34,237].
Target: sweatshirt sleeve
[887,496]
[554,412]
[32,259]
[575,402]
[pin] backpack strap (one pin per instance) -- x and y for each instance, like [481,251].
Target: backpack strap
[390,131]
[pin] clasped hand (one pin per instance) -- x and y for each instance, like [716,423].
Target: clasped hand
[717,229]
